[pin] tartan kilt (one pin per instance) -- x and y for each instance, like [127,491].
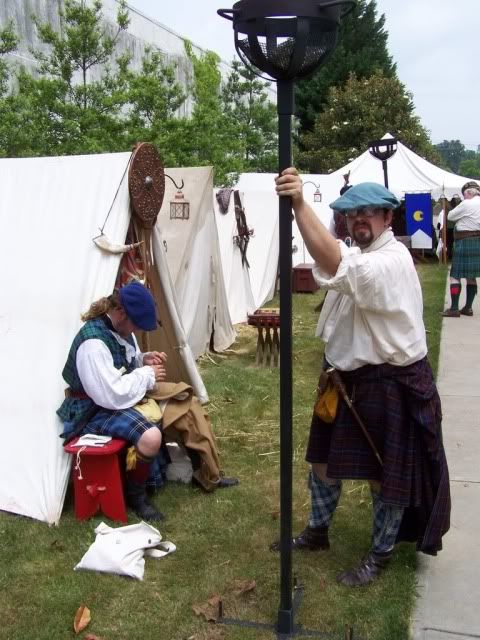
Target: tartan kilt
[401,409]
[126,424]
[466,258]
[130,425]
[384,406]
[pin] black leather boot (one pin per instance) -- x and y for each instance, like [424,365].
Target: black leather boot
[311,539]
[137,500]
[368,569]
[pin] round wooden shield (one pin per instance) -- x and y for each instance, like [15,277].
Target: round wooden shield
[146,183]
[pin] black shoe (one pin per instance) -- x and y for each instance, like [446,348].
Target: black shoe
[451,313]
[225,482]
[311,539]
[137,500]
[466,311]
[368,569]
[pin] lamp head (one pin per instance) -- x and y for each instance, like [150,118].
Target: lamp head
[286,39]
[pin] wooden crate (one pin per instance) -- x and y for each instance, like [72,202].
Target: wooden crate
[303,281]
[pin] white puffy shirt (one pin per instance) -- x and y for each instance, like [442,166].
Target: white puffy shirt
[373,311]
[106,385]
[466,215]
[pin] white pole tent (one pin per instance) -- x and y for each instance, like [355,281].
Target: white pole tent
[193,255]
[51,271]
[407,173]
[235,270]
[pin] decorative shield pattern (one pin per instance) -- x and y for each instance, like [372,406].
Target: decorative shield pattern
[146,183]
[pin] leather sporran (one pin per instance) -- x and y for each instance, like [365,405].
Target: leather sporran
[326,404]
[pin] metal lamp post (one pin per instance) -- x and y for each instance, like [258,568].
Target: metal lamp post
[287,40]
[383,150]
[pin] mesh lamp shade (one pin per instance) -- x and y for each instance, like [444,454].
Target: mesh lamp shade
[286,39]
[383,149]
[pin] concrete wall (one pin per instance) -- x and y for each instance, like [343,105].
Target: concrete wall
[142,32]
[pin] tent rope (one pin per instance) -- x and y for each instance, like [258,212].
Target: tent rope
[77,462]
[116,193]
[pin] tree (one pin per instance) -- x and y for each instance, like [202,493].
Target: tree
[470,168]
[254,118]
[208,137]
[452,152]
[361,111]
[362,49]
[8,43]
[152,97]
[72,112]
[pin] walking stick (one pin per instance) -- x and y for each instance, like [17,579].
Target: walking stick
[340,387]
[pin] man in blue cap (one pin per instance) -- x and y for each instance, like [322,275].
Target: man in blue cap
[375,347]
[107,376]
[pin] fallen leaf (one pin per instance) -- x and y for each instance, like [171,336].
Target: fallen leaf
[243,586]
[209,610]
[82,618]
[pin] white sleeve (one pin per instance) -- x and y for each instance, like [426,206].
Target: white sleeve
[373,280]
[104,383]
[458,212]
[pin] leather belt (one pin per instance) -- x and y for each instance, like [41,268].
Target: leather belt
[79,395]
[460,235]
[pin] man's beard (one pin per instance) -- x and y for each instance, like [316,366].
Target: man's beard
[362,234]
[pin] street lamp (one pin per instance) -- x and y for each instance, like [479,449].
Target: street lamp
[287,40]
[383,150]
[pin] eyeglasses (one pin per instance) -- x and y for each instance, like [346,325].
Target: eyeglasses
[368,212]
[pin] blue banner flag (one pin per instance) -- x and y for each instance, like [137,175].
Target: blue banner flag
[419,218]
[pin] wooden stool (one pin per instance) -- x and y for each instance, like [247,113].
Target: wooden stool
[97,480]
[267,322]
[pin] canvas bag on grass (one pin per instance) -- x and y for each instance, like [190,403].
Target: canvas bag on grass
[122,550]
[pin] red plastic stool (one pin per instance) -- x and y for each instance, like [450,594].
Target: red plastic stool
[97,480]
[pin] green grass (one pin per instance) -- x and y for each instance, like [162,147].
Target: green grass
[222,537]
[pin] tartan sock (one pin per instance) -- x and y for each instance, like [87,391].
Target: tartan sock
[324,500]
[471,293]
[139,474]
[386,523]
[455,289]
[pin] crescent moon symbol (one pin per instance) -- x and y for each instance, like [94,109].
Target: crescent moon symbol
[418,216]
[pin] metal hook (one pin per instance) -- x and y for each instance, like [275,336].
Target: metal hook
[178,187]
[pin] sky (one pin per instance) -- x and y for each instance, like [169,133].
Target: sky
[435,44]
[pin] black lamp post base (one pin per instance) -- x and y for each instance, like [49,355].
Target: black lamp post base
[285,628]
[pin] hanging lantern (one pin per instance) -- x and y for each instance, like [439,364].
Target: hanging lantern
[179,207]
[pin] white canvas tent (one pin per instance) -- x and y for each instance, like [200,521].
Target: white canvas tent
[407,173]
[50,272]
[192,252]
[235,271]
[261,210]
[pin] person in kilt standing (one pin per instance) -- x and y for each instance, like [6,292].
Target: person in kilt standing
[372,326]
[466,250]
[107,376]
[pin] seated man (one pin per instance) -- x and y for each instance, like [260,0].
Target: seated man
[108,376]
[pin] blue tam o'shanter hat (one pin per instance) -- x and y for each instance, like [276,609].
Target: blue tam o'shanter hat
[139,305]
[366,194]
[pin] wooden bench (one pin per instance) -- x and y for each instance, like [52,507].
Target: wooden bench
[267,322]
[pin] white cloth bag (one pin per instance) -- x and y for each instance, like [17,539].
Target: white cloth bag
[122,550]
